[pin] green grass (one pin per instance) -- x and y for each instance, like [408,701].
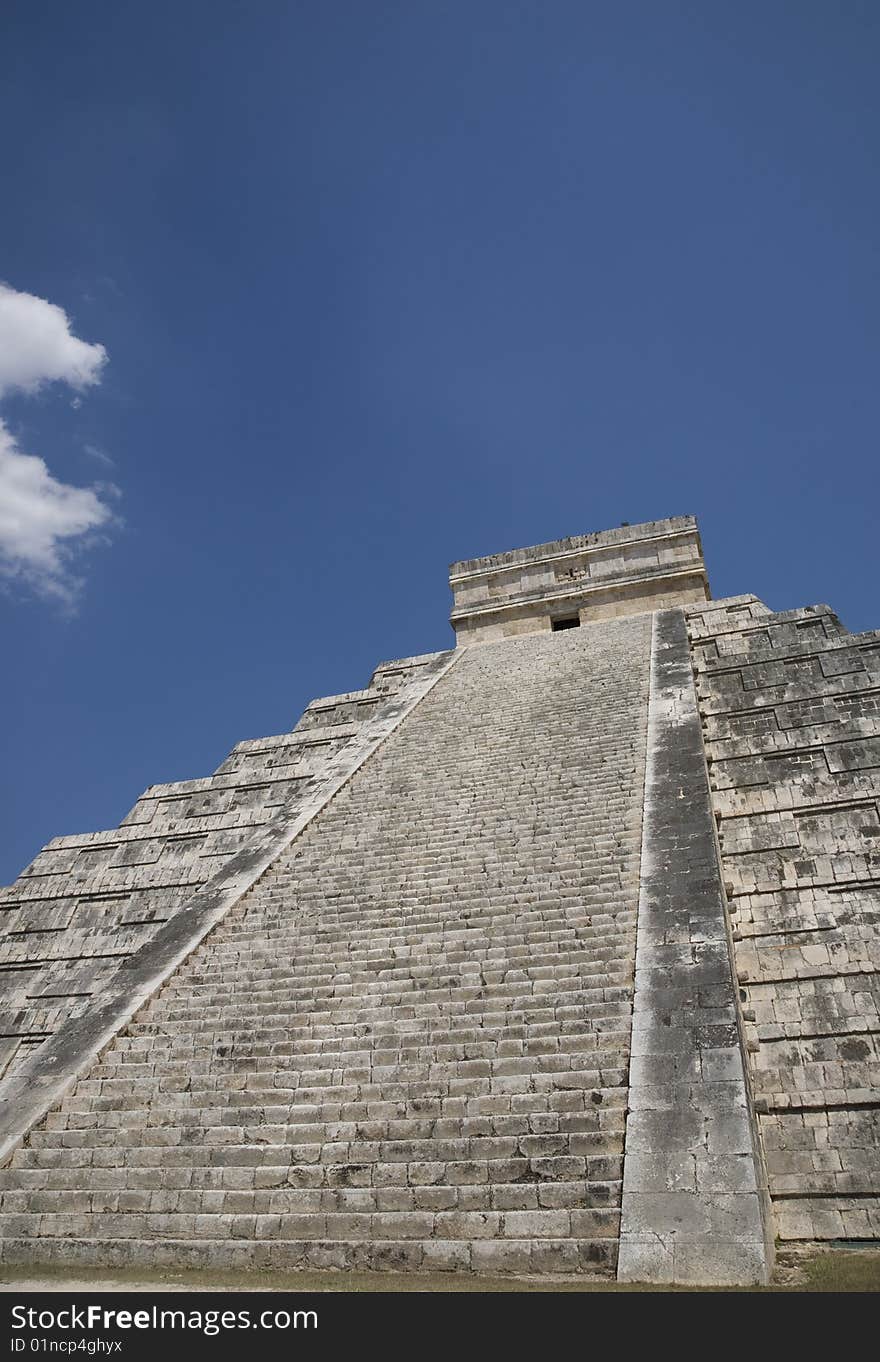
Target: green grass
[842,1271]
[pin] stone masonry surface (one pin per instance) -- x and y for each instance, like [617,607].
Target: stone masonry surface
[408,1044]
[692,1208]
[791,714]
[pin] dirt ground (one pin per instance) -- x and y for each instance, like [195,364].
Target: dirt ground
[838,1270]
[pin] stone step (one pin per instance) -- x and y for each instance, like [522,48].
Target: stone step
[223,1050]
[563,915]
[126,1097]
[287,962]
[544,1169]
[399,1086]
[312,1033]
[395,1085]
[201,1195]
[154,1040]
[521,1256]
[570,1109]
[19,1189]
[261,1123]
[285,968]
[571,1147]
[228,1058]
[475,999]
[511,938]
[393,993]
[613,978]
[542,1224]
[548,1113]
[286,1085]
[304,970]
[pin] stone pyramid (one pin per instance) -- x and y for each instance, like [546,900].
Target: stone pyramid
[553,953]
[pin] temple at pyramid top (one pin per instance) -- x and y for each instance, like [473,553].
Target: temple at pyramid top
[568,582]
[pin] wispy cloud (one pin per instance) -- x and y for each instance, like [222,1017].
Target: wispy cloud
[99,455]
[44,523]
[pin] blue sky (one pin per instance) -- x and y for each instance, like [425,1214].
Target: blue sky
[382,285]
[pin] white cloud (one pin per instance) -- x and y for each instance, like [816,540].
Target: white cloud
[43,522]
[38,517]
[37,346]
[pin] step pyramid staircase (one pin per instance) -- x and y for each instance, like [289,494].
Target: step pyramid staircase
[408,1045]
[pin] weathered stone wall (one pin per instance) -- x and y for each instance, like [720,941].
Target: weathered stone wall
[791,711]
[88,901]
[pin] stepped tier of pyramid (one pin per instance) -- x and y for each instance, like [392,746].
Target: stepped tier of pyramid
[555,952]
